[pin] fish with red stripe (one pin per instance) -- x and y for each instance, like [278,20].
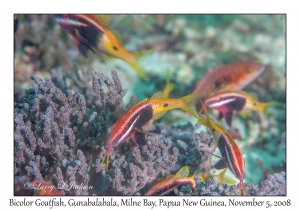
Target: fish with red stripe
[131,124]
[235,100]
[232,159]
[231,155]
[91,32]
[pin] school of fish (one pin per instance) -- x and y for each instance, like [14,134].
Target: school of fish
[220,89]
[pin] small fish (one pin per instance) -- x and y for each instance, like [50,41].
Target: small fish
[221,177]
[232,159]
[42,188]
[91,32]
[230,76]
[228,101]
[131,124]
[231,155]
[179,179]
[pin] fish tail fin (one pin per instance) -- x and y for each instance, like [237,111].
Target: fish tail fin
[83,48]
[106,156]
[267,105]
[136,65]
[141,72]
[189,105]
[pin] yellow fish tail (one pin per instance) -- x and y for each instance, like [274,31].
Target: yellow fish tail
[189,105]
[265,106]
[136,66]
[141,72]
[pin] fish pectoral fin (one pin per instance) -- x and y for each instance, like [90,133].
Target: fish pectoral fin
[103,19]
[139,138]
[238,104]
[183,172]
[221,164]
[79,37]
[253,95]
[158,116]
[228,117]
[83,48]
[159,95]
[220,115]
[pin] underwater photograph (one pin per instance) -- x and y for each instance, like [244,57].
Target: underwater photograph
[149,104]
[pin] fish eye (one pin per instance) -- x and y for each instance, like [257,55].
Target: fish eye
[220,99]
[66,17]
[115,48]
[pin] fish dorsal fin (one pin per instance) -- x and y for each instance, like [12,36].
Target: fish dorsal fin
[158,116]
[252,94]
[117,35]
[183,172]
[103,19]
[169,86]
[158,95]
[221,164]
[139,138]
[142,101]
